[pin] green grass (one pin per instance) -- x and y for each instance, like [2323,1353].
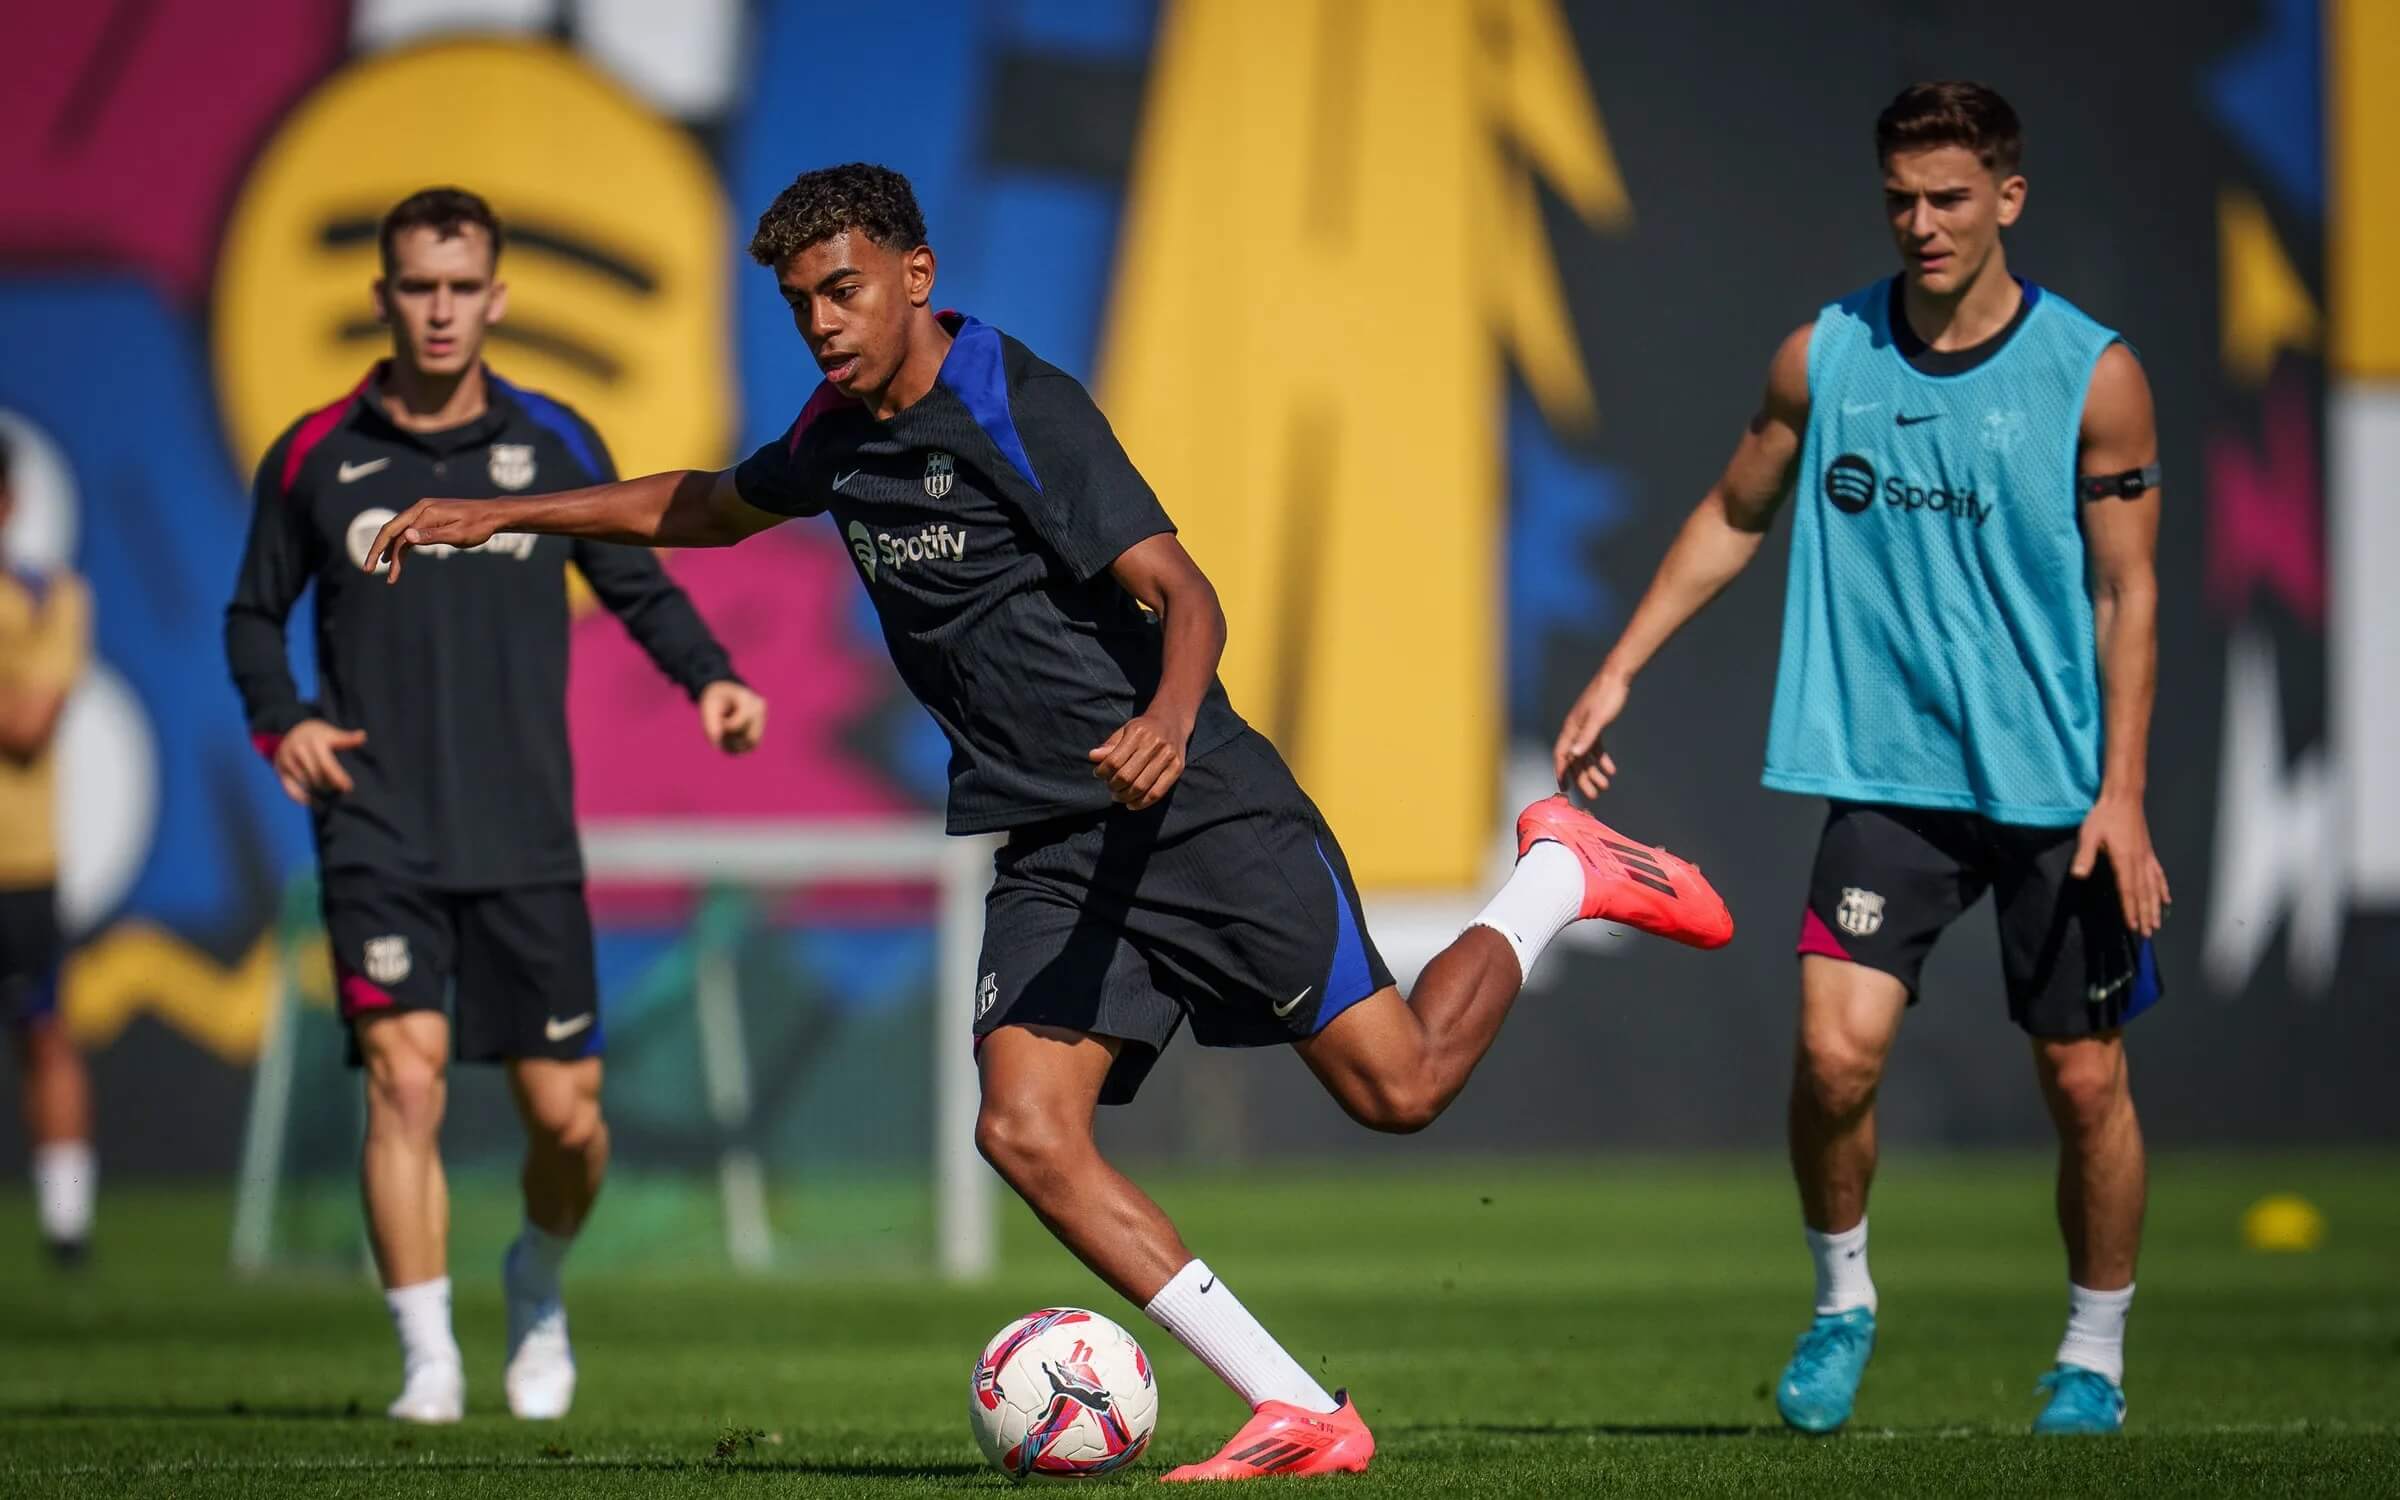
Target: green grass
[1555,1328]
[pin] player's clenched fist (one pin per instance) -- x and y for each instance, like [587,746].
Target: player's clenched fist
[733,717]
[306,762]
[451,523]
[1141,762]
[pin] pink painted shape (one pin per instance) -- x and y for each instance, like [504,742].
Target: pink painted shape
[2266,512]
[1817,938]
[362,994]
[780,603]
[125,129]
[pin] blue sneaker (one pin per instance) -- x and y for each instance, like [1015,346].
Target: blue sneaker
[1819,1384]
[2081,1401]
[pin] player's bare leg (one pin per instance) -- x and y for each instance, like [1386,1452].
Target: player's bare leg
[1849,1015]
[57,1102]
[1395,1065]
[1041,1086]
[2103,1188]
[408,1203]
[566,1155]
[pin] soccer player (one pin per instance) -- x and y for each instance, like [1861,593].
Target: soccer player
[45,633]
[1161,864]
[436,770]
[1969,650]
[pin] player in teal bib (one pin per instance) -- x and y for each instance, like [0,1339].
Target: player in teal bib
[1969,650]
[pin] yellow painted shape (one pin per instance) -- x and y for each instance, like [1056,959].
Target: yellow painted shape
[555,146]
[1332,251]
[2362,52]
[2263,307]
[137,967]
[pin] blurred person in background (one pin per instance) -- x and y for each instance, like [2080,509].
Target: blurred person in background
[437,772]
[45,634]
[1969,656]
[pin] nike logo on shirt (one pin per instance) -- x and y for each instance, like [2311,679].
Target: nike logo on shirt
[841,479]
[1906,420]
[348,472]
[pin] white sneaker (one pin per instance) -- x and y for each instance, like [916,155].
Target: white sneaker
[434,1391]
[541,1363]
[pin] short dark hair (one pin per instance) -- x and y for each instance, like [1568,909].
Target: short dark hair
[1951,113]
[875,201]
[447,211]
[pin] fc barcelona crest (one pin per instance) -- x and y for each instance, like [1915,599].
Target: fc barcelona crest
[1861,912]
[512,465]
[940,470]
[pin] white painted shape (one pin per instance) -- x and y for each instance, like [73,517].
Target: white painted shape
[681,55]
[2362,506]
[376,24]
[107,796]
[42,532]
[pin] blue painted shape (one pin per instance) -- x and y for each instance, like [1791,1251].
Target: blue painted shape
[1095,28]
[1560,506]
[116,379]
[974,374]
[553,416]
[2270,95]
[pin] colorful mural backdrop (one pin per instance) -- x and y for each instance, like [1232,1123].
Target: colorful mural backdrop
[1428,321]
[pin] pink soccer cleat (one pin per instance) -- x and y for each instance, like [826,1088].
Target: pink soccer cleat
[1632,884]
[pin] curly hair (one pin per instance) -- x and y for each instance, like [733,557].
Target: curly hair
[1952,114]
[875,201]
[447,211]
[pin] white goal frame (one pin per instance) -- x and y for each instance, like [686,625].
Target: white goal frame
[751,853]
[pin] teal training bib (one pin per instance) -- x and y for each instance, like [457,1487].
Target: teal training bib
[1937,631]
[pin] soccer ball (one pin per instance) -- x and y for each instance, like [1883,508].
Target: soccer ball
[1062,1394]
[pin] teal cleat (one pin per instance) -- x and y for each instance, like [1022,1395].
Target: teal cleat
[2081,1402]
[1821,1382]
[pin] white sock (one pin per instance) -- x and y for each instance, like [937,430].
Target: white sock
[540,1257]
[65,1174]
[421,1316]
[1543,894]
[2096,1331]
[1841,1262]
[1207,1319]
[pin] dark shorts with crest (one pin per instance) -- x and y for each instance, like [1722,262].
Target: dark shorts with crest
[1228,905]
[1890,880]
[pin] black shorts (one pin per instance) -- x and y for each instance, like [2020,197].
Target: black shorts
[1229,904]
[1889,880]
[512,966]
[31,949]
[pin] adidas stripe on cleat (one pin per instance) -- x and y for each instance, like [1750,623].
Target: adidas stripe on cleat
[1635,884]
[1282,1440]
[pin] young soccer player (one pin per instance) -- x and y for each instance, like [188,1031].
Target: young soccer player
[45,633]
[1967,450]
[1161,864]
[436,768]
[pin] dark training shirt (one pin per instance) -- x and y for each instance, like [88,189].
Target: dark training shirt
[983,520]
[458,674]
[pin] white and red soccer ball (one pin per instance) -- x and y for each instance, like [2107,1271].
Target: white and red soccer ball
[1062,1394]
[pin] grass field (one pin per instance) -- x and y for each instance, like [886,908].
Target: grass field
[1540,1329]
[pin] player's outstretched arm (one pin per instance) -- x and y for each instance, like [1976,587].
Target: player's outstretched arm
[2120,437]
[680,508]
[1143,760]
[1716,543]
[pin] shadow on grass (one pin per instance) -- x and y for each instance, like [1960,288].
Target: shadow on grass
[230,1411]
[1597,1430]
